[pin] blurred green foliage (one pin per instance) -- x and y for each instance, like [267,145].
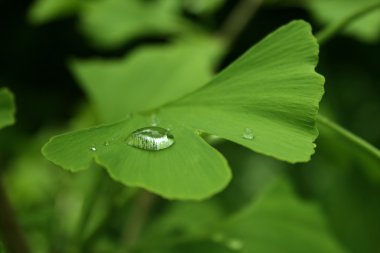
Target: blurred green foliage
[331,202]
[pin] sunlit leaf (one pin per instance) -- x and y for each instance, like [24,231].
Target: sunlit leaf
[272,92]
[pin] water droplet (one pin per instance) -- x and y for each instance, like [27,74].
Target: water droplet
[234,244]
[154,120]
[151,138]
[93,148]
[248,134]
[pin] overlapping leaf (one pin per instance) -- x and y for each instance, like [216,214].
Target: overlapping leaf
[147,78]
[7,108]
[272,90]
[366,28]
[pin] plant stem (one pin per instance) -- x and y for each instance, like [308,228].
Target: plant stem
[349,136]
[10,231]
[331,30]
[238,19]
[137,217]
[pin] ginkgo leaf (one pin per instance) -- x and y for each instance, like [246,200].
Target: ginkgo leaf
[267,101]
[147,78]
[7,108]
[188,169]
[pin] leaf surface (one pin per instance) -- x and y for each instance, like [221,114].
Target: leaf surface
[272,90]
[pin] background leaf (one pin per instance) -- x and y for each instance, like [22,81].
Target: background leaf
[109,23]
[331,11]
[351,147]
[279,222]
[43,11]
[148,78]
[7,108]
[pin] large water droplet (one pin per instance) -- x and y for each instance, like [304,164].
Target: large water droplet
[248,134]
[93,148]
[151,138]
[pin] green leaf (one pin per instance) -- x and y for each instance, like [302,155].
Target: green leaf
[272,89]
[279,222]
[365,28]
[147,78]
[7,108]
[110,23]
[43,11]
[188,169]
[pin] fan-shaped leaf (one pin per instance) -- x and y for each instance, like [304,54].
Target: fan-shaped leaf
[272,91]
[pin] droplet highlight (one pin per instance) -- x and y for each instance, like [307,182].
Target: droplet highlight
[151,138]
[93,148]
[248,134]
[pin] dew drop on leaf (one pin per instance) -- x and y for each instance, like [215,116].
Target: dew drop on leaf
[151,138]
[248,134]
[93,148]
[154,119]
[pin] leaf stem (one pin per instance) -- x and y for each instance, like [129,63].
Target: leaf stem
[238,19]
[349,136]
[331,30]
[11,233]
[137,217]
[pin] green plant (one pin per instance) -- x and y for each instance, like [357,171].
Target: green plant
[223,197]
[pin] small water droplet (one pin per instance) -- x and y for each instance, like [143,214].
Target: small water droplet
[248,134]
[154,120]
[93,148]
[151,138]
[234,244]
